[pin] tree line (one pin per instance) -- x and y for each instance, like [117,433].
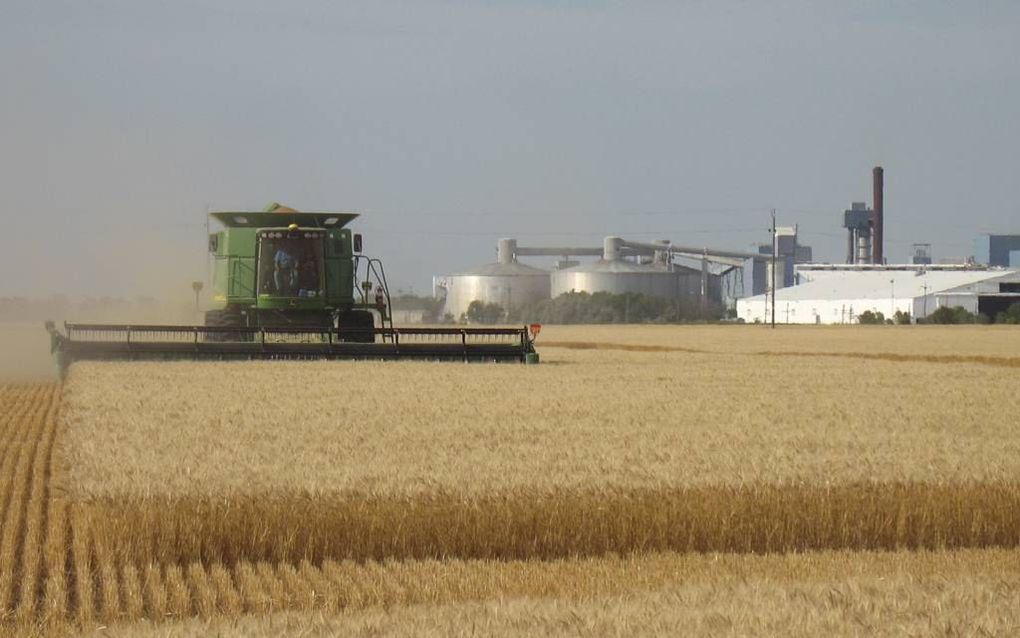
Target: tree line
[595,308]
[945,315]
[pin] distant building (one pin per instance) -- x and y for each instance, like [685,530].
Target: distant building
[998,250]
[839,293]
[858,221]
[922,254]
[789,253]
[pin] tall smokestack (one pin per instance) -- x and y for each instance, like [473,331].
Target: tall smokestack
[877,217]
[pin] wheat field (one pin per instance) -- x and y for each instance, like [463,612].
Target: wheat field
[614,481]
[600,450]
[932,343]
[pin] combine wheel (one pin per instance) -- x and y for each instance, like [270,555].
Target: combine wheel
[226,319]
[356,320]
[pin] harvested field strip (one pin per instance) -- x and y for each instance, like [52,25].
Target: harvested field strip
[623,347]
[18,415]
[1002,362]
[27,431]
[37,510]
[994,341]
[25,470]
[295,527]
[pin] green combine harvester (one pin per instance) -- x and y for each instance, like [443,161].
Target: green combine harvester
[291,285]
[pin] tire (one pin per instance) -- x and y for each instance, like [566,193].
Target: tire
[226,318]
[356,320]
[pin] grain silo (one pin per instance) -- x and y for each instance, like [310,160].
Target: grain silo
[654,277]
[507,282]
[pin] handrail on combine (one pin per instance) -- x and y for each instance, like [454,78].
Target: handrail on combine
[374,269]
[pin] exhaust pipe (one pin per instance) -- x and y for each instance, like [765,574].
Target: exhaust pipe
[878,217]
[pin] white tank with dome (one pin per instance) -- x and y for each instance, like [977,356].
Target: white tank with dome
[507,282]
[614,274]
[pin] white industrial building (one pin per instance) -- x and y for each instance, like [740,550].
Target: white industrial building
[839,294]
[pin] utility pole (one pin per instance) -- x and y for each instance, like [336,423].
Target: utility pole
[775,249]
[704,283]
[892,298]
[924,301]
[208,255]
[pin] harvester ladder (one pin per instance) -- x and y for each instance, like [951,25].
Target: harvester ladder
[375,272]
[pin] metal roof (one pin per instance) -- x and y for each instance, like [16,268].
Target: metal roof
[497,269]
[883,284]
[617,266]
[261,219]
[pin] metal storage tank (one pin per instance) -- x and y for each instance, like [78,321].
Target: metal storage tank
[506,282]
[618,276]
[615,275]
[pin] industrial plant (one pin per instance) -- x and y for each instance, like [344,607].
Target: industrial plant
[987,284]
[657,269]
[780,282]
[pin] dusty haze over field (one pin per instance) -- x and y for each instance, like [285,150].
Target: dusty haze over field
[26,352]
[451,124]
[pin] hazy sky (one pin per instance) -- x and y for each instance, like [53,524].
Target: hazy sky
[448,125]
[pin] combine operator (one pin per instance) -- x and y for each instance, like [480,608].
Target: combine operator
[285,270]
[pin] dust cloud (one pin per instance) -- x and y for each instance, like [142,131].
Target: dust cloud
[126,276]
[25,352]
[25,344]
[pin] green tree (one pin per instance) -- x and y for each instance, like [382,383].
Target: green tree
[484,313]
[943,315]
[1010,316]
[604,307]
[871,318]
[954,315]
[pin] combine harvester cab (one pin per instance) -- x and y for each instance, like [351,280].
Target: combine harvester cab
[291,285]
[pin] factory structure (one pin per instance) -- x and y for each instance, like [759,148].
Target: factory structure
[804,292]
[839,293]
[866,226]
[998,250]
[789,253]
